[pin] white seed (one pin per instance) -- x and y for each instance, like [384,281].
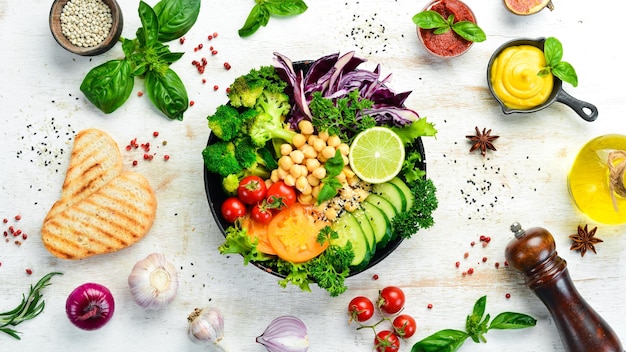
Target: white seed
[86,23]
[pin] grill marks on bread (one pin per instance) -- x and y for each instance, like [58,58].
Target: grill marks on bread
[101,210]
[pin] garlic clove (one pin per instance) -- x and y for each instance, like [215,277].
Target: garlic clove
[206,325]
[153,282]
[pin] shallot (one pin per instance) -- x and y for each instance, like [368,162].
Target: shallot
[90,306]
[285,334]
[153,282]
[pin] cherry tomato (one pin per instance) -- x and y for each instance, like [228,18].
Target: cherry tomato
[232,209]
[261,213]
[251,189]
[404,325]
[391,299]
[361,308]
[280,192]
[387,341]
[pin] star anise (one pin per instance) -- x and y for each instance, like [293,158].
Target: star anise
[482,141]
[584,240]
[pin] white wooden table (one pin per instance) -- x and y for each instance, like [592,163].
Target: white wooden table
[41,108]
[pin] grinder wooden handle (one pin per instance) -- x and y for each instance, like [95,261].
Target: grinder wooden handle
[581,328]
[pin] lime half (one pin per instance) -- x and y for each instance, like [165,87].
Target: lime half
[376,155]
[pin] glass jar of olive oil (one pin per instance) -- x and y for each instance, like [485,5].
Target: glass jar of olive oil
[597,180]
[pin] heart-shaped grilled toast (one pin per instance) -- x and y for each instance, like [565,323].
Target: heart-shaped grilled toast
[102,208]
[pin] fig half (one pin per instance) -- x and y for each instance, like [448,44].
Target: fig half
[527,7]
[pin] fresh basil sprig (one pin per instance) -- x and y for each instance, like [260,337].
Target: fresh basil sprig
[263,9]
[476,326]
[430,19]
[553,52]
[109,85]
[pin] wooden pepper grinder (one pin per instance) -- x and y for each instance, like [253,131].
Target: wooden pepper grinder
[581,329]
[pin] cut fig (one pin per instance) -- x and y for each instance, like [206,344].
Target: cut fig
[527,7]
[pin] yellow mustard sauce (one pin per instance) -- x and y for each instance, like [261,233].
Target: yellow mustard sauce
[515,80]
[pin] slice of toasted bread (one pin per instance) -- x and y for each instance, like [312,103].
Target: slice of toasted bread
[115,216]
[95,160]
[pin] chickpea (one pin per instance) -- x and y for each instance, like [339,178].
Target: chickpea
[341,177]
[311,139]
[297,156]
[309,152]
[285,149]
[313,181]
[303,170]
[323,135]
[346,160]
[350,207]
[305,198]
[319,144]
[302,184]
[306,127]
[290,180]
[294,171]
[348,171]
[328,152]
[319,173]
[316,191]
[344,148]
[282,173]
[285,162]
[298,140]
[333,141]
[269,183]
[331,213]
[312,164]
[273,176]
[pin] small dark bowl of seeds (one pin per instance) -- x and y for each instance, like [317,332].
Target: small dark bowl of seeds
[86,27]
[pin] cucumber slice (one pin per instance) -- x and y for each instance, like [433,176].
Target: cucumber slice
[385,206]
[366,226]
[408,195]
[380,224]
[349,229]
[392,193]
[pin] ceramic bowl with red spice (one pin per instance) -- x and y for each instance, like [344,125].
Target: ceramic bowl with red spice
[448,44]
[86,27]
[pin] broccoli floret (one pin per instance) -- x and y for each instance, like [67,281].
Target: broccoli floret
[220,158]
[246,89]
[269,123]
[228,122]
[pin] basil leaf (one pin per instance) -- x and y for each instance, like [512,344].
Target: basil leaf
[429,20]
[128,47]
[441,30]
[331,184]
[285,7]
[259,16]
[553,51]
[469,31]
[566,72]
[108,85]
[510,320]
[479,308]
[448,340]
[169,58]
[167,92]
[176,17]
[149,23]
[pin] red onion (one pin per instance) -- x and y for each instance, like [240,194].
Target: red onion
[90,306]
[285,334]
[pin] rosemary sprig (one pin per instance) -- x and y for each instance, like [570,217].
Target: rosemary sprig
[30,307]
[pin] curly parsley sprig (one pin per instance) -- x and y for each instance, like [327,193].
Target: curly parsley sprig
[31,306]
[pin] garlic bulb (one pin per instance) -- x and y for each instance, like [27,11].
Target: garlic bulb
[206,325]
[153,282]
